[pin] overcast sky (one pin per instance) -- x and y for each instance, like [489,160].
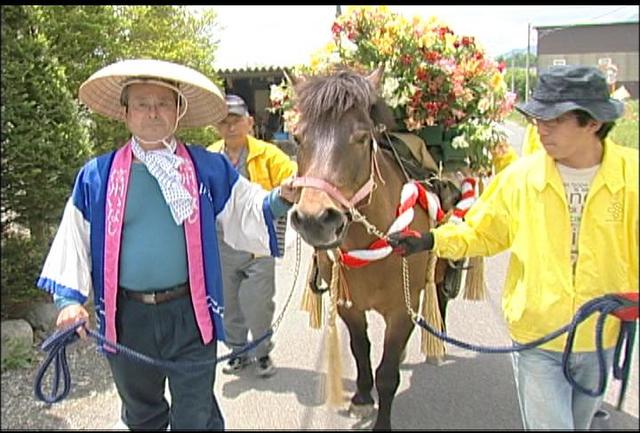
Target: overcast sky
[287,35]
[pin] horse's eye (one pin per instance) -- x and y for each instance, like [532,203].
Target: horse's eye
[360,137]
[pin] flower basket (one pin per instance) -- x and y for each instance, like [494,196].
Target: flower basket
[434,80]
[432,135]
[439,142]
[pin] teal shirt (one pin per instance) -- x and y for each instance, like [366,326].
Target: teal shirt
[153,253]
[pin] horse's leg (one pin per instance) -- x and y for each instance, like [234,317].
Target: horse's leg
[397,332]
[356,321]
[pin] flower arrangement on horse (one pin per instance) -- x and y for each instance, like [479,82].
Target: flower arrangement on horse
[433,77]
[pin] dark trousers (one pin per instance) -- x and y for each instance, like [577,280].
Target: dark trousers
[166,331]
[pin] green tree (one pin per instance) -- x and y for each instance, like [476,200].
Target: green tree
[44,142]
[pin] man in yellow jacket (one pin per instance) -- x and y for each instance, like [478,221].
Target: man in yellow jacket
[569,215]
[249,280]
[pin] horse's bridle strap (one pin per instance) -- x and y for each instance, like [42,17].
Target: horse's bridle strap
[323,185]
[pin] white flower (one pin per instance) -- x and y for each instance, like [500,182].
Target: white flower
[389,88]
[459,142]
[276,92]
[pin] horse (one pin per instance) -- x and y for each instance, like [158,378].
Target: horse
[345,177]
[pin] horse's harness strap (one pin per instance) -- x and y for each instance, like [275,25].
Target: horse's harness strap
[361,194]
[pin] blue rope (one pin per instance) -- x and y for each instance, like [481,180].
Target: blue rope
[56,345]
[606,304]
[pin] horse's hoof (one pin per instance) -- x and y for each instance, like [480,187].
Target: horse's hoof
[360,410]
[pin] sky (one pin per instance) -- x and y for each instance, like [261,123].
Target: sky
[287,35]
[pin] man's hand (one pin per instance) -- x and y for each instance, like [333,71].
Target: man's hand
[288,192]
[72,314]
[410,242]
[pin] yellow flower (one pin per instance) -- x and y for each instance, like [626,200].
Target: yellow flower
[497,81]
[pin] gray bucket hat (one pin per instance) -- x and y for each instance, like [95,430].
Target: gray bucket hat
[566,88]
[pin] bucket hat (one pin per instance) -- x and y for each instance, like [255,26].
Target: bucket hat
[565,88]
[205,101]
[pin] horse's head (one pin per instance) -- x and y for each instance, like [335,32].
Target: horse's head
[338,114]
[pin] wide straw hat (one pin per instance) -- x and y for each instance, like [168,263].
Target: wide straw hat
[205,102]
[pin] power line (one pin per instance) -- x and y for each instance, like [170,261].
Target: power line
[607,13]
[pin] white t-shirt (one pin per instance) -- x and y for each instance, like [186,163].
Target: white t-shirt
[576,185]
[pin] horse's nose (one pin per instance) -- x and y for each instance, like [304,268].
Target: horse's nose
[323,228]
[327,218]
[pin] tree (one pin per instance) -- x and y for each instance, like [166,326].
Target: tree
[44,140]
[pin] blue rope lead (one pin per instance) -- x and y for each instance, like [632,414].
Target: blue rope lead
[606,304]
[57,342]
[56,345]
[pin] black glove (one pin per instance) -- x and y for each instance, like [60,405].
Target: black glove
[410,242]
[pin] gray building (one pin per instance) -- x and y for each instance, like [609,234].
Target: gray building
[613,47]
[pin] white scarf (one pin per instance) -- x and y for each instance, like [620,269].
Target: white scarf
[163,165]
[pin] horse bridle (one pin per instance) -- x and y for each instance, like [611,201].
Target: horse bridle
[349,204]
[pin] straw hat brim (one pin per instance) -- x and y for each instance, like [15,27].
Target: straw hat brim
[206,106]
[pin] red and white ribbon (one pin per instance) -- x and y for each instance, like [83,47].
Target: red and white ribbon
[412,193]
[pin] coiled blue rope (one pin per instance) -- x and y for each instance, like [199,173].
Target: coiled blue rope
[606,305]
[57,343]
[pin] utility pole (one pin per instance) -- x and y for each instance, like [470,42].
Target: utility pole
[513,72]
[526,76]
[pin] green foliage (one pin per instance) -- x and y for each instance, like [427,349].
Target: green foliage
[625,132]
[22,259]
[19,355]
[45,138]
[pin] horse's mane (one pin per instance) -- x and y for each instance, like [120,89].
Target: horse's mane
[325,98]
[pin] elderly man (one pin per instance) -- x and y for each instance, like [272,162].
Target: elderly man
[139,230]
[570,217]
[249,280]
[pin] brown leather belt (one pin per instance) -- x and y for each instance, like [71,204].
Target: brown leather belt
[157,297]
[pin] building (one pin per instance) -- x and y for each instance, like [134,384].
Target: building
[613,47]
[253,84]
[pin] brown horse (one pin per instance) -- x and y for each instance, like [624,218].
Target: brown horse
[344,175]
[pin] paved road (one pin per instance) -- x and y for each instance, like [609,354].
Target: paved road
[469,391]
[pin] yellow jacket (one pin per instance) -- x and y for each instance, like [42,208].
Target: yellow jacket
[525,209]
[531,140]
[266,163]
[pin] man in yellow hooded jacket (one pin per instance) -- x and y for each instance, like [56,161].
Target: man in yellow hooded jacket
[569,215]
[249,280]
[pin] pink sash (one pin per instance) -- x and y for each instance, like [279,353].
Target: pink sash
[115,206]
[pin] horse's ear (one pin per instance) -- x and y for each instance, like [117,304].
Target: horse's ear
[291,78]
[375,78]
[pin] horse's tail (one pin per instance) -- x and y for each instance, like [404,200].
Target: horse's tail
[334,394]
